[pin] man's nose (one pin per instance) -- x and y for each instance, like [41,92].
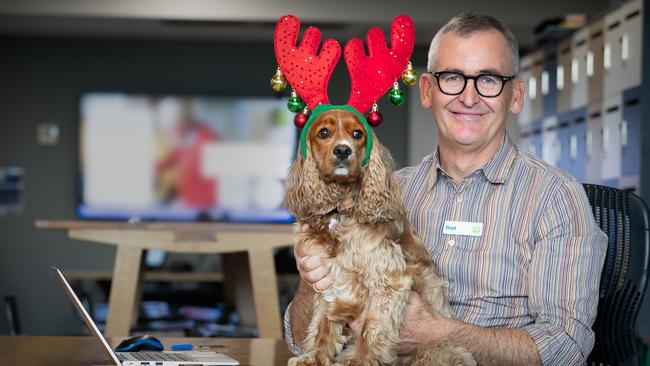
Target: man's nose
[342,151]
[469,96]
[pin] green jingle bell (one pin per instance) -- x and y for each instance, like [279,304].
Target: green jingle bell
[396,96]
[295,104]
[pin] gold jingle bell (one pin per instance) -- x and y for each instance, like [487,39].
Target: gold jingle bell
[278,82]
[409,76]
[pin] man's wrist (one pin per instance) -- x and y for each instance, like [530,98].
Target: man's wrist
[444,328]
[434,328]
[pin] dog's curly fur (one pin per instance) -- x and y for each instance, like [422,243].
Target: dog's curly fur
[374,253]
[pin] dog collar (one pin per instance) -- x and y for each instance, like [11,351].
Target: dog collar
[326,107]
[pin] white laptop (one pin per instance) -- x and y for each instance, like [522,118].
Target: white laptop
[141,358]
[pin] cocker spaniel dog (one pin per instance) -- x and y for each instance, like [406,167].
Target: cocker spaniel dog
[374,253]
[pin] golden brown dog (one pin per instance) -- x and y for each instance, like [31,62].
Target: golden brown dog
[374,253]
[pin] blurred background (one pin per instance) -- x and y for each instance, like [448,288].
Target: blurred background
[103,105]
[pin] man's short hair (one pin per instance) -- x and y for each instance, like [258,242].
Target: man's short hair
[466,24]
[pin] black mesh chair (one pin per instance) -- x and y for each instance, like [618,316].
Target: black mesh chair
[624,217]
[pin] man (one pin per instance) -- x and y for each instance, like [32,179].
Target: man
[514,237]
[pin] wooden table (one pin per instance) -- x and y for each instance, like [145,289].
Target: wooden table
[72,351]
[132,241]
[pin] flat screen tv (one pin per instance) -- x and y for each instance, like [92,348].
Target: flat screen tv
[185,158]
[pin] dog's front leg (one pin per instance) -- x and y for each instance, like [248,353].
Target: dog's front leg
[427,283]
[431,287]
[380,332]
[324,338]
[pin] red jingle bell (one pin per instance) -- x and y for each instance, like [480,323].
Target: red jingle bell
[375,118]
[300,119]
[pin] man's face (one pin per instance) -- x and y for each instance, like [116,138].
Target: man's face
[468,121]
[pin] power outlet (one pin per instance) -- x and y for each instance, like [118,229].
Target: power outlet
[47,134]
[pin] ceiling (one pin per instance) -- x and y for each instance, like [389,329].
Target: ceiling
[254,20]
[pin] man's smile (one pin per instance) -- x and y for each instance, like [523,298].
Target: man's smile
[468,116]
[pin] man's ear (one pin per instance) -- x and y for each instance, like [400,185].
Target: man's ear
[518,95]
[426,88]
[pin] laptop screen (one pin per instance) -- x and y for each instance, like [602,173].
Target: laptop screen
[84,314]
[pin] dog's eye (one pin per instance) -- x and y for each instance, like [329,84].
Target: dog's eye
[324,133]
[357,134]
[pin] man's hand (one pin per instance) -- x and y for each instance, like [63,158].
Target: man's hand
[309,260]
[488,346]
[420,325]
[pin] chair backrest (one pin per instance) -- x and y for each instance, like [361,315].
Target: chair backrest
[624,217]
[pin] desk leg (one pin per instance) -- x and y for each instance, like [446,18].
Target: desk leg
[127,278]
[237,286]
[265,290]
[263,352]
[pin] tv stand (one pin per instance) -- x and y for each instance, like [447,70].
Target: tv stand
[133,239]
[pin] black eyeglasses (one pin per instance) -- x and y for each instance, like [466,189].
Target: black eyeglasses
[486,85]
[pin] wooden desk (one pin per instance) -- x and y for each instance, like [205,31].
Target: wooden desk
[132,240]
[72,351]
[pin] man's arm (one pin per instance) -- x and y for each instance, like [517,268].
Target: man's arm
[496,346]
[314,276]
[488,346]
[564,277]
[300,312]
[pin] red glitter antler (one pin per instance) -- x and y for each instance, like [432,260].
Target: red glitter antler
[306,71]
[372,75]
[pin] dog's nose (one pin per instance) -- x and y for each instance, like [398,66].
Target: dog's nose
[342,151]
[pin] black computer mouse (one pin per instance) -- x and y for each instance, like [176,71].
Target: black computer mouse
[140,343]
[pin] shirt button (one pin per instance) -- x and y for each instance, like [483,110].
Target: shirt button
[451,242]
[459,198]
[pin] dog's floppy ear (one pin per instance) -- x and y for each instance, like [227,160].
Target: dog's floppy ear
[308,197]
[379,197]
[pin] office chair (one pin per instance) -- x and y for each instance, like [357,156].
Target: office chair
[624,217]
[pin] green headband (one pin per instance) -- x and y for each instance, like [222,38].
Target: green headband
[326,107]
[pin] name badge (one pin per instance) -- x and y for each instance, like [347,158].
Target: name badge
[463,228]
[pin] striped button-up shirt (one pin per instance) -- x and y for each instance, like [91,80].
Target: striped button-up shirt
[535,263]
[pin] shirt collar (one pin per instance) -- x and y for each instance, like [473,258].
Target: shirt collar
[435,169]
[495,171]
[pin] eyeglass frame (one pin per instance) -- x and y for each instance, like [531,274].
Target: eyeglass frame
[504,80]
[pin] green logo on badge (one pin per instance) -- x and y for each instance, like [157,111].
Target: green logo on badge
[476,229]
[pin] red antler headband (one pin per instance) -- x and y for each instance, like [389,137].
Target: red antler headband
[374,74]
[306,71]
[371,75]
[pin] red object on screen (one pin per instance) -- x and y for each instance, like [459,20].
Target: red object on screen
[192,187]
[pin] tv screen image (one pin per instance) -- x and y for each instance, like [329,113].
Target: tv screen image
[148,157]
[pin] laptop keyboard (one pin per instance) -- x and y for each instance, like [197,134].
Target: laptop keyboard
[154,356]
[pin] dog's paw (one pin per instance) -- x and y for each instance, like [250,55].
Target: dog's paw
[356,363]
[346,363]
[307,360]
[442,354]
[302,361]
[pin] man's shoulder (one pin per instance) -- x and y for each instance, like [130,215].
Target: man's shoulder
[405,172]
[541,172]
